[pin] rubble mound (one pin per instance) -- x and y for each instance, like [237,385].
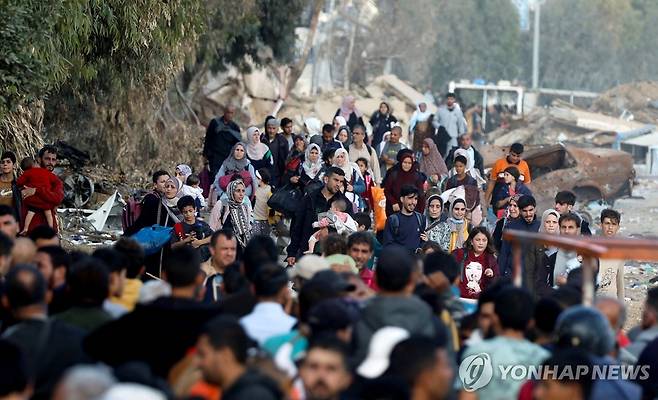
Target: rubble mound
[638,98]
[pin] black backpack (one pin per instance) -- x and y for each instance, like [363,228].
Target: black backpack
[394,222]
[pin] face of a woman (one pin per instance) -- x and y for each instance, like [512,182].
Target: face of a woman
[342,136]
[238,153]
[336,124]
[426,150]
[509,178]
[513,208]
[255,137]
[480,243]
[459,211]
[435,208]
[407,164]
[551,225]
[314,155]
[383,108]
[339,158]
[299,144]
[239,193]
[170,190]
[6,166]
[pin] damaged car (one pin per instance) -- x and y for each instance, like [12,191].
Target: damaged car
[591,173]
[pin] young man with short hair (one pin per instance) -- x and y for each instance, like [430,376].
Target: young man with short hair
[221,354]
[565,201]
[424,365]
[314,203]
[405,226]
[497,172]
[611,272]
[286,129]
[527,222]
[325,371]
[395,303]
[513,310]
[564,261]
[8,223]
[360,247]
[269,318]
[326,141]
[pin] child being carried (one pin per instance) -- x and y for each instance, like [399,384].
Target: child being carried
[335,218]
[40,179]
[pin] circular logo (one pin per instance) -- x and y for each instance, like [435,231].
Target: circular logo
[475,371]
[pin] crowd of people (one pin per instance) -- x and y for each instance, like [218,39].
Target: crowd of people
[337,263]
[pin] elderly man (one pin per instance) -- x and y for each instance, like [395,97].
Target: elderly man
[221,135]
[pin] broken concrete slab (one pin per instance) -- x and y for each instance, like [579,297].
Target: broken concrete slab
[405,91]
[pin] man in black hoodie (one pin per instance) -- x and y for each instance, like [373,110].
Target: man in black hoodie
[394,305]
[222,357]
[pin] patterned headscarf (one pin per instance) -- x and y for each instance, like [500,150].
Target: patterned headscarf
[238,213]
[185,170]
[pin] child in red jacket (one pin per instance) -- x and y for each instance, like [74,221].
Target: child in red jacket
[38,178]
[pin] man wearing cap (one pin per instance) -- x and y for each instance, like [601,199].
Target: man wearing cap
[513,159]
[306,268]
[278,145]
[450,117]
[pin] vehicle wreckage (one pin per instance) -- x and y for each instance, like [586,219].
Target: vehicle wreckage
[591,173]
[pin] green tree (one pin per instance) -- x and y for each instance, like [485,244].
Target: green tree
[475,39]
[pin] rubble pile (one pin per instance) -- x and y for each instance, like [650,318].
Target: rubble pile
[640,99]
[621,109]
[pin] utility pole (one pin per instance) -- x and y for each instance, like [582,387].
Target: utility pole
[535,46]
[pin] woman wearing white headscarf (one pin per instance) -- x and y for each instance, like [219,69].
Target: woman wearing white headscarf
[258,153]
[538,274]
[313,127]
[354,183]
[312,167]
[233,213]
[421,114]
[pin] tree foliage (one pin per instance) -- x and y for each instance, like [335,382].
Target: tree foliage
[475,39]
[102,45]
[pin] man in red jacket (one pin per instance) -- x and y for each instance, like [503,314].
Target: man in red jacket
[43,198]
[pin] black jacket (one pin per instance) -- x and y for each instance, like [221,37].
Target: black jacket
[352,121]
[253,385]
[221,136]
[301,227]
[381,123]
[17,199]
[279,149]
[479,161]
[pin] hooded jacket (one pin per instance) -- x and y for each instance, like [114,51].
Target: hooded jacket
[409,313]
[253,385]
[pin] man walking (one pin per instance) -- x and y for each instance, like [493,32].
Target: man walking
[450,117]
[278,147]
[404,227]
[221,135]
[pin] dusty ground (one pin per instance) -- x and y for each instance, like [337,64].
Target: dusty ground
[639,219]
